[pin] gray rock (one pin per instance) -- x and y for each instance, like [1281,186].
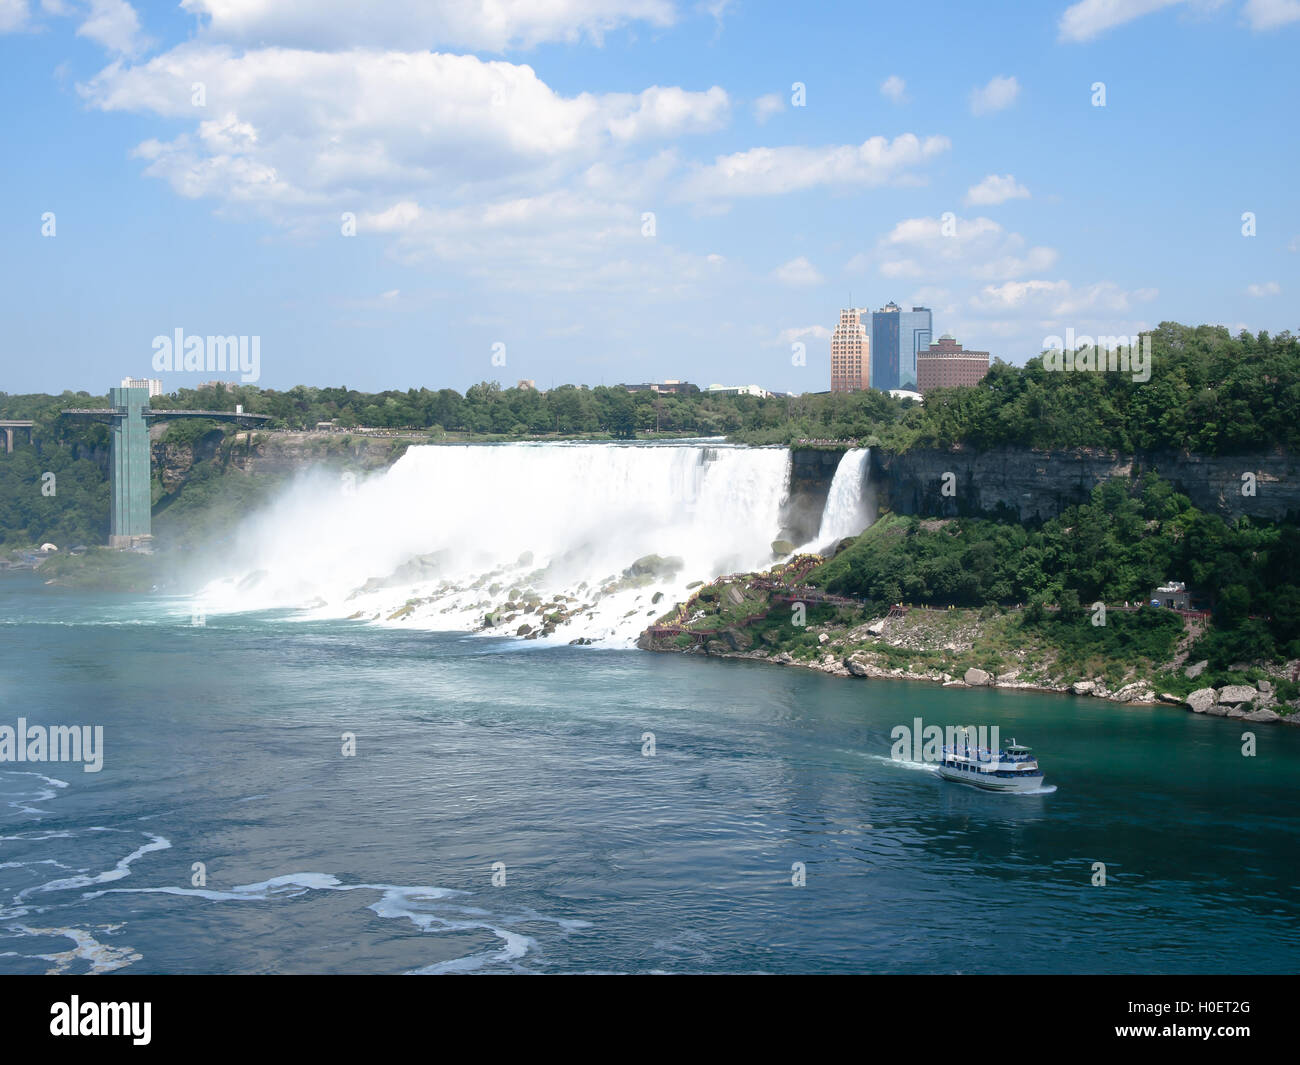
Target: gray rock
[1236,711]
[1262,715]
[1192,672]
[653,565]
[738,639]
[976,677]
[785,658]
[1217,711]
[857,667]
[1236,693]
[1201,700]
[1082,687]
[1264,685]
[876,628]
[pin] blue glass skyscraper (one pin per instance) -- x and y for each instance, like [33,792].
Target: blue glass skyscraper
[914,332]
[885,347]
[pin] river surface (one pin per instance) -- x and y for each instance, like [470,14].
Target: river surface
[223,745]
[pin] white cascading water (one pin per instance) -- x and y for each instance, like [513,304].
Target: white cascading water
[502,536]
[850,504]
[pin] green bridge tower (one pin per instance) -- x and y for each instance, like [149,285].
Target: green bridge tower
[129,466]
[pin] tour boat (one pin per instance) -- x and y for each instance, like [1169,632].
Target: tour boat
[1011,769]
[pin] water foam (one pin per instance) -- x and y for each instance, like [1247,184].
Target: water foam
[497,537]
[431,910]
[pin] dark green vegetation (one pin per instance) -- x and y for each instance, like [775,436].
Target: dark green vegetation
[1130,538]
[1209,392]
[76,453]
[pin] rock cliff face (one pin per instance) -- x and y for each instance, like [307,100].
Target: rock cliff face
[811,473]
[272,453]
[1033,485]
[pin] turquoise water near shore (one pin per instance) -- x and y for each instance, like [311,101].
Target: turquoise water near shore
[223,746]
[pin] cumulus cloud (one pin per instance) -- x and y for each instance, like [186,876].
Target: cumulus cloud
[894,88]
[789,336]
[491,25]
[999,94]
[772,171]
[326,124]
[977,248]
[1269,14]
[1268,288]
[13,15]
[1059,299]
[994,190]
[767,106]
[114,25]
[797,272]
[1089,19]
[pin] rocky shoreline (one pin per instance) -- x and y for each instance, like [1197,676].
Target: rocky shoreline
[1255,704]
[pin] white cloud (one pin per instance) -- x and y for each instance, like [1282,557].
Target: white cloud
[798,272]
[979,249]
[773,171]
[445,158]
[114,25]
[894,88]
[998,94]
[1268,288]
[930,296]
[1269,14]
[1059,299]
[13,15]
[994,190]
[1090,18]
[789,336]
[369,123]
[491,25]
[767,106]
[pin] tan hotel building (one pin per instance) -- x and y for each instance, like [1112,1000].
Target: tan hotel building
[947,365]
[850,354]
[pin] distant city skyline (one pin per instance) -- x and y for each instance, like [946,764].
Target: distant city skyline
[586,191]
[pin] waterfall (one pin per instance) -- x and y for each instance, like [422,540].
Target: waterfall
[588,541]
[850,503]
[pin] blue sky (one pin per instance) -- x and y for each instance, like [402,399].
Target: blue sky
[499,161]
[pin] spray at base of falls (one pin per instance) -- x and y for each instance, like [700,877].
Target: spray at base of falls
[563,542]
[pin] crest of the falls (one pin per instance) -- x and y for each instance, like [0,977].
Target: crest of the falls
[570,539]
[850,503]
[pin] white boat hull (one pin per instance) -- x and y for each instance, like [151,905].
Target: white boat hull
[989,782]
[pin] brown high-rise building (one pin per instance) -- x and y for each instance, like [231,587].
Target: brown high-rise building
[850,354]
[947,365]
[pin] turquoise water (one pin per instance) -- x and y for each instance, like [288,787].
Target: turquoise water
[223,746]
